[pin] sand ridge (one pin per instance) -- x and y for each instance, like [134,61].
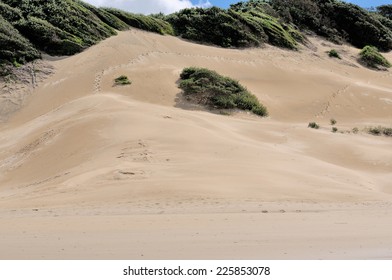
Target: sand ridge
[84,154]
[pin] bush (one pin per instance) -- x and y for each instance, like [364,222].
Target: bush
[208,88]
[122,80]
[386,131]
[371,57]
[313,125]
[355,130]
[333,121]
[334,129]
[334,53]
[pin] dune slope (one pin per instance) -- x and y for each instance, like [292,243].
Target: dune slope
[92,170]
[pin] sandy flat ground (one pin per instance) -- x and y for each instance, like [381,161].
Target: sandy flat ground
[93,171]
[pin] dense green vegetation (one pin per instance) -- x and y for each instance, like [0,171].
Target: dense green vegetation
[385,10]
[371,57]
[61,27]
[338,21]
[13,46]
[243,25]
[148,23]
[208,88]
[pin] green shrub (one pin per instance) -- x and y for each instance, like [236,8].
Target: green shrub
[334,129]
[334,53]
[379,130]
[313,125]
[371,57]
[355,130]
[332,121]
[122,80]
[208,88]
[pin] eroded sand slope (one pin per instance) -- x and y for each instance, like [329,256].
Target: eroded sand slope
[89,170]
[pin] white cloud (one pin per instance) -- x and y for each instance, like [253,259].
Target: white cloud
[149,6]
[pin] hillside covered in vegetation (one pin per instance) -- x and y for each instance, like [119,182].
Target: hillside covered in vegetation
[61,27]
[66,27]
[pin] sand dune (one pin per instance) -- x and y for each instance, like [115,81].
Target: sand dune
[90,170]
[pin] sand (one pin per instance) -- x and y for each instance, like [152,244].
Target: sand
[89,170]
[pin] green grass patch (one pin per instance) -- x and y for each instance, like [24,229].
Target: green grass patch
[371,57]
[208,88]
[122,81]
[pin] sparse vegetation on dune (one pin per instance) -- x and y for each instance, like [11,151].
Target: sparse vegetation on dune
[371,57]
[334,53]
[380,130]
[208,88]
[65,27]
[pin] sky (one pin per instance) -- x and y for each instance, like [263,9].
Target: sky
[171,6]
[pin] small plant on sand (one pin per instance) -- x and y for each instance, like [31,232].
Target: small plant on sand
[313,125]
[122,80]
[334,129]
[333,121]
[208,88]
[334,53]
[371,57]
[355,130]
